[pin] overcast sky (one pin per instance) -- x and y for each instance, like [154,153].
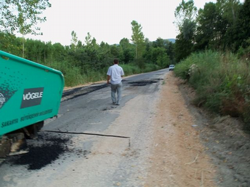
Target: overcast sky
[109,20]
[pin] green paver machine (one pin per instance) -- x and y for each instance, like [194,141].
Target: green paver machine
[29,94]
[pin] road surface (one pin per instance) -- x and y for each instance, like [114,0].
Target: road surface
[92,143]
[155,138]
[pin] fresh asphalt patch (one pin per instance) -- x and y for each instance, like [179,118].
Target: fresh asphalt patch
[42,151]
[76,92]
[50,146]
[144,82]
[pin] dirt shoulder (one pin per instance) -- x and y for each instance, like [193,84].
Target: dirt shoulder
[193,148]
[227,144]
[179,158]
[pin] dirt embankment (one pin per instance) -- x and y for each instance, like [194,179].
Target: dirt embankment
[193,148]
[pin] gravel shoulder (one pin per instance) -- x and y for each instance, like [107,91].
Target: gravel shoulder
[193,147]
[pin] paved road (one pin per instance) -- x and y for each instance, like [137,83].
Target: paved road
[92,142]
[83,109]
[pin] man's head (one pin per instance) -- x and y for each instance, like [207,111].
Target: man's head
[116,61]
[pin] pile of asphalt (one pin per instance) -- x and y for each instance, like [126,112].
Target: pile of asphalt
[42,152]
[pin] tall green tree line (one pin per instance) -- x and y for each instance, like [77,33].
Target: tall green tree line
[90,55]
[79,58]
[223,26]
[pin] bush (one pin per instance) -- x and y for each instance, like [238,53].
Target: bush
[130,69]
[220,80]
[72,74]
[151,67]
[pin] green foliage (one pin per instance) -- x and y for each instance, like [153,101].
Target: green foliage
[159,56]
[244,53]
[140,62]
[138,38]
[151,67]
[74,40]
[207,29]
[159,43]
[221,82]
[79,63]
[10,43]
[241,33]
[159,52]
[183,48]
[163,60]
[22,15]
[188,29]
[223,26]
[127,51]
[130,69]
[185,19]
[185,11]
[72,74]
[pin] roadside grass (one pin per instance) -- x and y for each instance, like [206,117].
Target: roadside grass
[221,81]
[130,69]
[73,76]
[151,67]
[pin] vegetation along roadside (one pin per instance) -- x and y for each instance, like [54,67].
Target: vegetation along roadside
[221,82]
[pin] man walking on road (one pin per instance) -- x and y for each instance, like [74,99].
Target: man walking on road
[115,74]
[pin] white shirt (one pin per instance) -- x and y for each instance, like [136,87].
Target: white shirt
[115,72]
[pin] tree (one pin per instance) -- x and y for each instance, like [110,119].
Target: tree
[88,39]
[207,19]
[159,43]
[159,56]
[170,52]
[229,10]
[185,11]
[127,50]
[138,39]
[22,16]
[9,43]
[242,34]
[58,52]
[183,48]
[185,19]
[74,40]
[124,43]
[217,24]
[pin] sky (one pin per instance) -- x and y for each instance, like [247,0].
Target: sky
[109,20]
